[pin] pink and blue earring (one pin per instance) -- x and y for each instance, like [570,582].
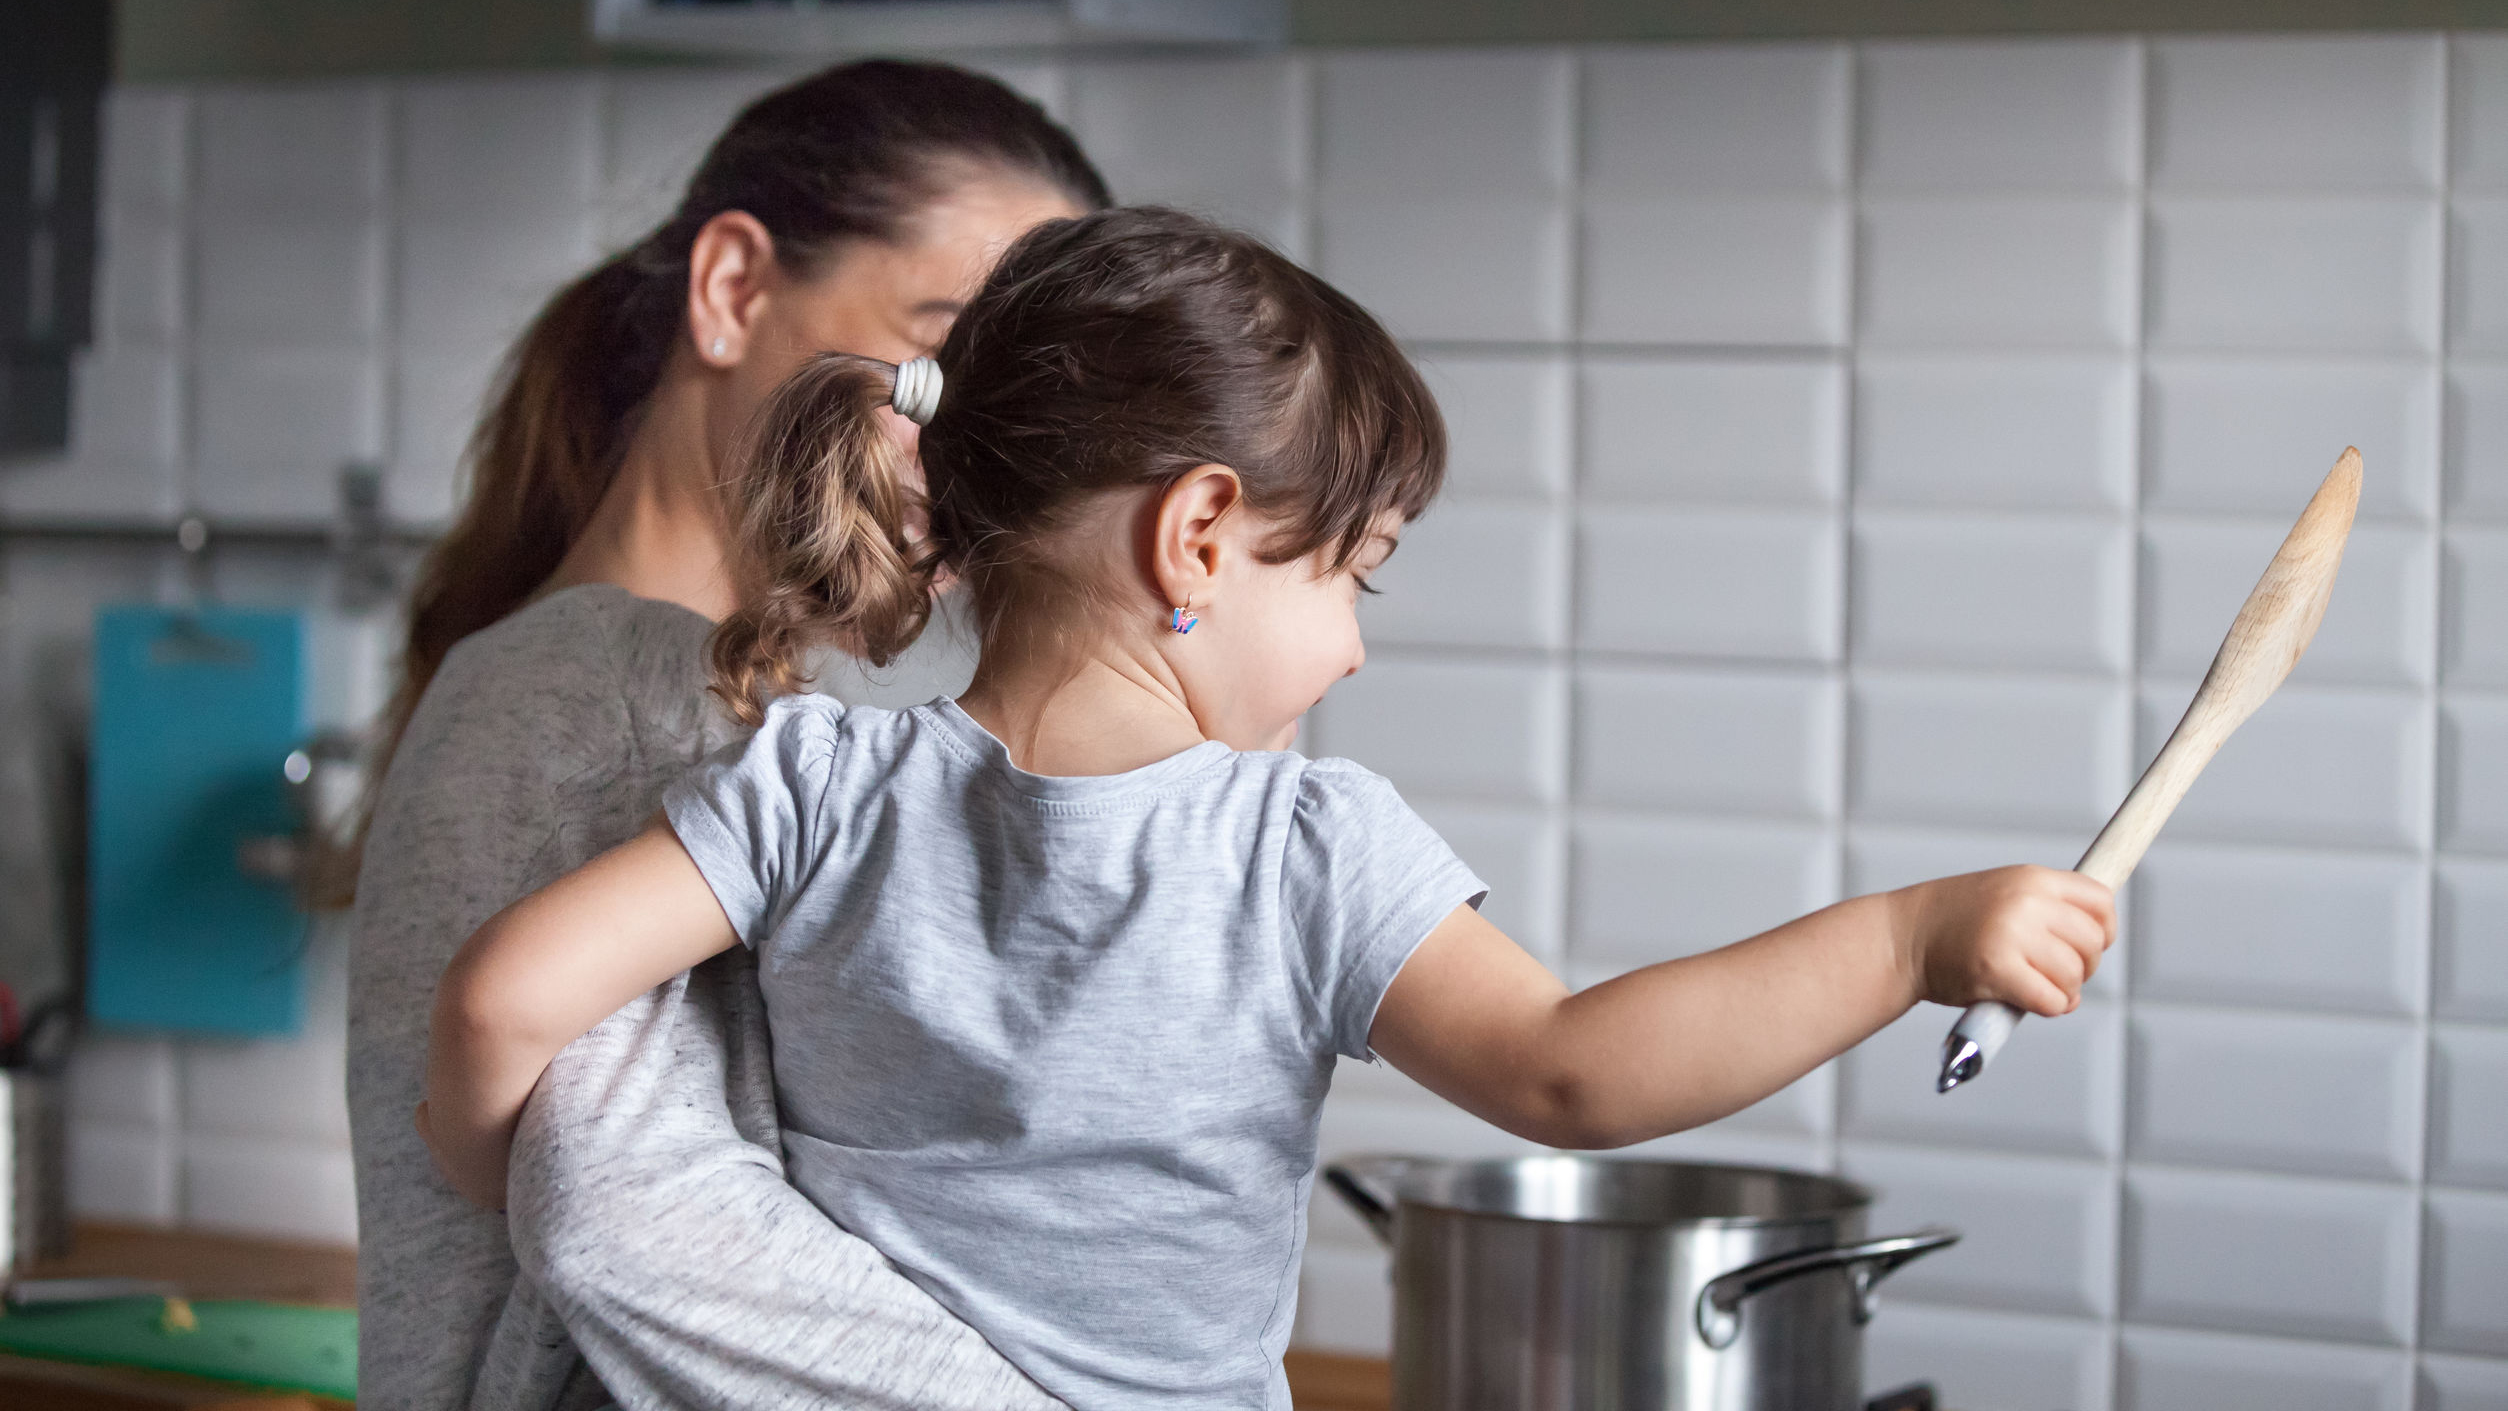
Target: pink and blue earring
[1181,621]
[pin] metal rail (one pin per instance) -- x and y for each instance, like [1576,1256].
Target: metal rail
[195,534]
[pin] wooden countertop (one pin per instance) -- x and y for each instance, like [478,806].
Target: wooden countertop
[212,1266]
[1322,1381]
[205,1266]
[226,1266]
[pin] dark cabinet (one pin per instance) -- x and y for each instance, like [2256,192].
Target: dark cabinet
[55,56]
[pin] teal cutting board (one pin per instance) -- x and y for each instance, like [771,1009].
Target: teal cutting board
[195,715]
[260,1344]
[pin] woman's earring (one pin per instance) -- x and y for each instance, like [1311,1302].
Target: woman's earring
[1181,621]
[719,347]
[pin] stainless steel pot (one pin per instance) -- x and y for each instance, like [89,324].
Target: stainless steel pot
[1572,1283]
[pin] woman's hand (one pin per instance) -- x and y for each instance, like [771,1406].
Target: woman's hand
[473,1167]
[2028,936]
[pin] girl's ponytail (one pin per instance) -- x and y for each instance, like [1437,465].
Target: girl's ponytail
[821,538]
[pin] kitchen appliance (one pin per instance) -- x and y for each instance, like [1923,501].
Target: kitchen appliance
[1575,1283]
[2265,641]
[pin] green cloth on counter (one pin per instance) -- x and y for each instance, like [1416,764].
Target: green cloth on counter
[278,1345]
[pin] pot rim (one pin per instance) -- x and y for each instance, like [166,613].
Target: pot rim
[1390,1167]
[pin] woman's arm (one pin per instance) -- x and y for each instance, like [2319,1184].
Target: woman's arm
[539,975]
[1482,1024]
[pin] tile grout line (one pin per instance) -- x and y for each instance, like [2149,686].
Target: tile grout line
[187,299]
[1670,350]
[1307,100]
[1570,499]
[391,238]
[187,487]
[1849,355]
[2142,109]
[1300,134]
[2417,1292]
[168,568]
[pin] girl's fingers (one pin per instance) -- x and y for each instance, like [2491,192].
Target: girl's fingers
[2089,896]
[2026,986]
[2095,901]
[2037,994]
[2082,932]
[2061,964]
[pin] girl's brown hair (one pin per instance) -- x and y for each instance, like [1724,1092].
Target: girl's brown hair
[1114,350]
[849,154]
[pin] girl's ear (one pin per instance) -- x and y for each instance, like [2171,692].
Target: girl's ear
[1187,546]
[730,265]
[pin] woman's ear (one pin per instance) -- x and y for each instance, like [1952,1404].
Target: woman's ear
[1187,545]
[730,265]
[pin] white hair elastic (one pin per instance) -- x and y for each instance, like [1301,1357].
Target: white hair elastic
[917,393]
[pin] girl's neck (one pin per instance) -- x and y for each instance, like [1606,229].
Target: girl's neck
[1079,709]
[658,531]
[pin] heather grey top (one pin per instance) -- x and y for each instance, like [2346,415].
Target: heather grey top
[1058,1046]
[542,741]
[648,1203]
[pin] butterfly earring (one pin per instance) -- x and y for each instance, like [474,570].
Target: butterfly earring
[1181,621]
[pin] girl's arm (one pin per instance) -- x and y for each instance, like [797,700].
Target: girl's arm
[540,975]
[1482,1024]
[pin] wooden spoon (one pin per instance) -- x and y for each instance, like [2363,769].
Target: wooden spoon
[2264,643]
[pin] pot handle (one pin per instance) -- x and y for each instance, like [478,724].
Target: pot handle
[1719,1311]
[1373,1205]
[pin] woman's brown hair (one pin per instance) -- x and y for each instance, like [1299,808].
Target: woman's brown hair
[1110,351]
[849,154]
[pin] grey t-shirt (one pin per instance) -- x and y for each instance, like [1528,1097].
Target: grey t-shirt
[541,741]
[651,1225]
[1056,1046]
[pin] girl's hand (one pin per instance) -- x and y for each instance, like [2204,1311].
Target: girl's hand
[474,1168]
[2028,936]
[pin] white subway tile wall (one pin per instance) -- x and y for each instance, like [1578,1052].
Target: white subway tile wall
[1858,450]
[2001,117]
[2166,1370]
[2025,1362]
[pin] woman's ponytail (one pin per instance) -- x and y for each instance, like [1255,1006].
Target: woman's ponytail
[543,455]
[855,153]
[539,461]
[821,537]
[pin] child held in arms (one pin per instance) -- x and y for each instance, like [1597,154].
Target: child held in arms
[1057,972]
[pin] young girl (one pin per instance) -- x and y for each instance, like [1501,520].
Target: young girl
[1057,973]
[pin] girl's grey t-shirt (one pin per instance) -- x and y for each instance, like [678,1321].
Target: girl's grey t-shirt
[543,740]
[1057,1046]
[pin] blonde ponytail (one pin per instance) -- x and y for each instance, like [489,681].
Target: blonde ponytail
[820,537]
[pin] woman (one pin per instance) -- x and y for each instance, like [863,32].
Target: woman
[555,683]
